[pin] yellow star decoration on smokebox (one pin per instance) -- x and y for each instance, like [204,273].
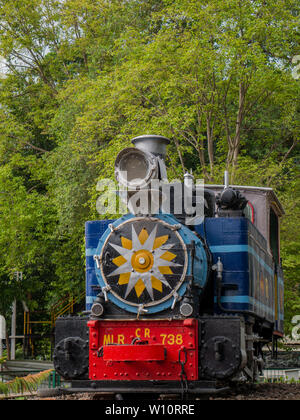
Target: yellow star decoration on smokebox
[143,262]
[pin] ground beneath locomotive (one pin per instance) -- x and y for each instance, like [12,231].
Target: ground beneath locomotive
[264,391]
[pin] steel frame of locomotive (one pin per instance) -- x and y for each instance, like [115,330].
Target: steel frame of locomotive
[172,308]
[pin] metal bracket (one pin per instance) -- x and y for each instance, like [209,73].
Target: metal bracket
[218,268]
[105,290]
[112,228]
[97,259]
[141,310]
[175,227]
[176,296]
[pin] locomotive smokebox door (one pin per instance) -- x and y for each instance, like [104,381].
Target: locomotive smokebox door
[147,265]
[71,352]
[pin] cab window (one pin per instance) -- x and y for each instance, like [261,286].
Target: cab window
[274,236]
[249,212]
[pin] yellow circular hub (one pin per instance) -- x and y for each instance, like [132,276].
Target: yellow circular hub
[142,261]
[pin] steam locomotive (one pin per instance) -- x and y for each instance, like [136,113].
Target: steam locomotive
[182,292]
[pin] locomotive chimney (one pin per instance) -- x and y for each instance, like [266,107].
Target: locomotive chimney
[156,145]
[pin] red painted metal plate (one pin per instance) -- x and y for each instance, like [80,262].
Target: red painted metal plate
[134,353]
[111,340]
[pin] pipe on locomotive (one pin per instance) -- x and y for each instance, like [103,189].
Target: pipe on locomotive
[226,180]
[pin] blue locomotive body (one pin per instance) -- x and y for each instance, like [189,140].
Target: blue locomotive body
[94,230]
[251,282]
[250,277]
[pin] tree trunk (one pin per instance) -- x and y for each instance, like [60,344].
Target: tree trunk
[7,346]
[201,155]
[179,154]
[210,144]
[234,145]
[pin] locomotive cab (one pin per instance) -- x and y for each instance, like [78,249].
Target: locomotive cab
[264,211]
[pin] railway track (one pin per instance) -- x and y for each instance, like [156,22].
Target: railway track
[264,391]
[27,366]
[270,391]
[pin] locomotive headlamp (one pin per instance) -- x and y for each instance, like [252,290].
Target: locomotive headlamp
[97,309]
[135,168]
[186,309]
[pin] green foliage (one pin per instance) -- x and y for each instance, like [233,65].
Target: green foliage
[2,360]
[84,77]
[28,383]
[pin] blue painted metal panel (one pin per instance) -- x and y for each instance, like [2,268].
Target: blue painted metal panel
[243,252]
[224,231]
[93,232]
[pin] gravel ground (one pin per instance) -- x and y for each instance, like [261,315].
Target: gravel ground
[264,391]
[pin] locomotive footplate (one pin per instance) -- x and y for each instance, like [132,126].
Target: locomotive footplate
[153,387]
